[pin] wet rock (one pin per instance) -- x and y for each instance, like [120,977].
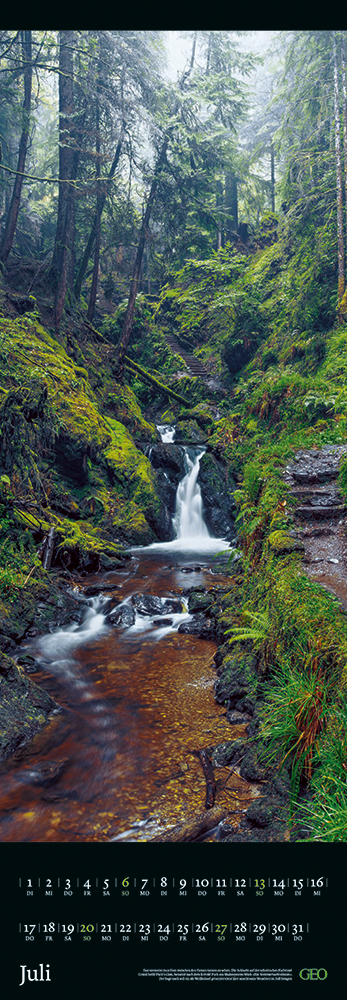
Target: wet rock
[237,718]
[60,796]
[110,604]
[245,704]
[100,586]
[109,563]
[217,496]
[230,691]
[163,621]
[224,829]
[43,774]
[189,430]
[253,727]
[24,707]
[262,813]
[281,785]
[166,491]
[169,457]
[220,654]
[251,768]
[228,752]
[199,602]
[200,626]
[29,664]
[149,604]
[170,605]
[168,464]
[122,617]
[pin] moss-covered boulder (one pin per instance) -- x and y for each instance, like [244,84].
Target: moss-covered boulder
[200,602]
[189,430]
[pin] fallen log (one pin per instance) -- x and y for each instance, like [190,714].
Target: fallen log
[146,377]
[133,367]
[192,828]
[205,760]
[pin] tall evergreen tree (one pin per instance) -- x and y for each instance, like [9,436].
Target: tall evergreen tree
[64,238]
[12,215]
[196,128]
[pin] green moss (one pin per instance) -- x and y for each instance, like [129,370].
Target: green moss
[281,541]
[126,409]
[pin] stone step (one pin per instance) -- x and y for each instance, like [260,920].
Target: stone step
[319,476]
[330,495]
[196,367]
[313,532]
[320,513]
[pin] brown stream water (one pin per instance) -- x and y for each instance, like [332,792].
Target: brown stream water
[136,703]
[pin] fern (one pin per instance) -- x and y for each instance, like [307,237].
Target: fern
[258,634]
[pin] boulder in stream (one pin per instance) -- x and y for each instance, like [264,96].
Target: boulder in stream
[149,604]
[122,617]
[203,627]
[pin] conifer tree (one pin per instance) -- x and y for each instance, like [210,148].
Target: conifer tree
[12,216]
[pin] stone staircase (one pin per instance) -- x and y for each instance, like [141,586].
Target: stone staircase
[195,367]
[319,515]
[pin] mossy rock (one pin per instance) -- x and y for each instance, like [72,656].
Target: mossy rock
[132,525]
[24,707]
[126,409]
[138,506]
[200,602]
[81,545]
[217,491]
[281,541]
[227,753]
[189,430]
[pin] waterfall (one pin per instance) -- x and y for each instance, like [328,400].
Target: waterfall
[188,521]
[167,433]
[191,532]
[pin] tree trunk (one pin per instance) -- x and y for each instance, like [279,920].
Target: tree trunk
[84,262]
[94,288]
[231,206]
[146,377]
[12,217]
[129,316]
[64,233]
[219,204]
[344,112]
[272,168]
[339,188]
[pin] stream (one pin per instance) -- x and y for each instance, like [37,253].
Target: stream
[117,762]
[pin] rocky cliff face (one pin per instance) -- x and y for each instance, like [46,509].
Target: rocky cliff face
[217,495]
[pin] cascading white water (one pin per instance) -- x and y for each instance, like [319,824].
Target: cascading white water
[167,433]
[191,532]
[188,521]
[57,647]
